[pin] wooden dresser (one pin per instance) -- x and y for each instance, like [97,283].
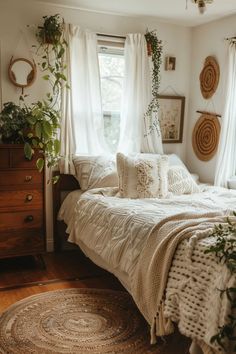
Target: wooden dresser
[22,226]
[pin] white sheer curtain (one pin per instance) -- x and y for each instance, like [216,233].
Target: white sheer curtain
[226,164]
[82,116]
[136,134]
[67,137]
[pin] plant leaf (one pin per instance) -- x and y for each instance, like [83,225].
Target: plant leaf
[38,130]
[28,151]
[55,179]
[57,146]
[40,164]
[47,128]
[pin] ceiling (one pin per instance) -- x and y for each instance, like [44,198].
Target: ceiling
[173,11]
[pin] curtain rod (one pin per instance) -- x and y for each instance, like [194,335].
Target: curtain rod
[110,35]
[209,113]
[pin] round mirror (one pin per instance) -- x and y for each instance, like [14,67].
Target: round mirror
[22,72]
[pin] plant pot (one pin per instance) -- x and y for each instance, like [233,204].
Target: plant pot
[53,38]
[149,49]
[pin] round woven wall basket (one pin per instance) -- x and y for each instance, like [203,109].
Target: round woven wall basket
[205,137]
[209,77]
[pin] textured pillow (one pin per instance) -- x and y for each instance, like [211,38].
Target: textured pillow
[142,175]
[180,181]
[95,171]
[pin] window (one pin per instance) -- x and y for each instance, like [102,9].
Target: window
[112,65]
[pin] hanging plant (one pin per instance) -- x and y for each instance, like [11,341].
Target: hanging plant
[51,49]
[51,30]
[225,251]
[43,117]
[154,49]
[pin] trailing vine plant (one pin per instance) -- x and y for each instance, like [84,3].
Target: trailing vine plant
[154,47]
[225,250]
[52,45]
[44,116]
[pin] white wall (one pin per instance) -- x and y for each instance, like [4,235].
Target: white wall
[16,40]
[207,40]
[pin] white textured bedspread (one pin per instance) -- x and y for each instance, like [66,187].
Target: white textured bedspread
[126,234]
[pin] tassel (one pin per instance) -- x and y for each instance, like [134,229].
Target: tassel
[153,332]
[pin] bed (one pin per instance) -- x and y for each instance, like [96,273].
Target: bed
[155,247]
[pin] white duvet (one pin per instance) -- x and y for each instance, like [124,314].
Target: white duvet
[116,230]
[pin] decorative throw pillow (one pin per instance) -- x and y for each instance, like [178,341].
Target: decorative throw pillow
[180,181]
[142,175]
[95,171]
[175,160]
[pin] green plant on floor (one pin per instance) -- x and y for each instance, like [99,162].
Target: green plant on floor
[225,251]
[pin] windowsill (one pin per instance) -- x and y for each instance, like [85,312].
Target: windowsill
[232,182]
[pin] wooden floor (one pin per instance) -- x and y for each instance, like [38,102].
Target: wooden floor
[23,277]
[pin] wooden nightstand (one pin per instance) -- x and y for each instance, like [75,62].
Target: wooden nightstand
[22,224]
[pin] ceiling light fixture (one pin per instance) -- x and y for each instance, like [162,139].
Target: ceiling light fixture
[202,5]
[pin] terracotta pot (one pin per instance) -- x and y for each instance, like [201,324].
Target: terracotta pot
[149,49]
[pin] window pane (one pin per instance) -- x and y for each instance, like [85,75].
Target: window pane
[112,76]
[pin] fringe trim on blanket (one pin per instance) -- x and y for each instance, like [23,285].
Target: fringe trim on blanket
[161,326]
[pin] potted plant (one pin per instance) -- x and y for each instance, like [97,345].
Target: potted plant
[154,50]
[44,116]
[51,30]
[43,121]
[37,125]
[13,124]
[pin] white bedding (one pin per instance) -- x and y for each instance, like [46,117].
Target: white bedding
[66,211]
[116,230]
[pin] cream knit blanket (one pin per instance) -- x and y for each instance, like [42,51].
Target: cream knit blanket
[150,243]
[150,281]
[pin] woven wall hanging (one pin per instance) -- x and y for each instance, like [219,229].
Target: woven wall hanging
[205,136]
[209,77]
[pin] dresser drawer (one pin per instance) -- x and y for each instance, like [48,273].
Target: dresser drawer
[21,199]
[18,159]
[21,177]
[21,220]
[4,158]
[21,243]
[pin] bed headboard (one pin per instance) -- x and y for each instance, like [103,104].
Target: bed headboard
[65,183]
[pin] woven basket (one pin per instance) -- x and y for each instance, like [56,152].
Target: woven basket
[205,137]
[209,77]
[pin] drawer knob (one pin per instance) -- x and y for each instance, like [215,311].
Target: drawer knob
[28,178]
[29,197]
[29,218]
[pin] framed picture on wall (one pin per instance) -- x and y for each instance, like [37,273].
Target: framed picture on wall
[171,117]
[170,63]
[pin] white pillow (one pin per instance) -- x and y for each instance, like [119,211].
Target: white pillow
[95,171]
[180,181]
[142,175]
[175,160]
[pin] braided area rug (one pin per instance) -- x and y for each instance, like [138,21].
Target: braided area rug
[75,321]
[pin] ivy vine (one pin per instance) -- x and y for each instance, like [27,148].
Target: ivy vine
[154,46]
[44,116]
[225,250]
[51,49]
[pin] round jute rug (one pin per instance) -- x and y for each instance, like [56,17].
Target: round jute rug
[75,321]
